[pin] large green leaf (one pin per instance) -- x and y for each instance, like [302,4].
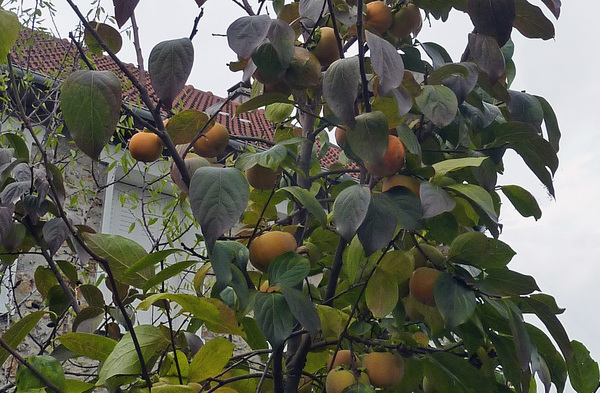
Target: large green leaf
[445,166]
[340,88]
[546,314]
[124,360]
[9,33]
[224,254]
[537,152]
[309,201]
[453,374]
[271,158]
[303,309]
[438,103]
[526,108]
[369,138]
[274,317]
[169,66]
[350,209]
[246,33]
[288,269]
[218,197]
[210,360]
[263,100]
[523,201]
[381,293]
[487,55]
[378,227]
[583,370]
[49,367]
[472,248]
[531,21]
[214,313]
[91,103]
[89,345]
[120,253]
[455,301]
[407,208]
[387,63]
[168,272]
[545,348]
[150,260]
[18,331]
[477,196]
[185,125]
[435,200]
[551,122]
[505,282]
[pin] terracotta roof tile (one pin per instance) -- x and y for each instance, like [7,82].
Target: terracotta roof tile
[56,58]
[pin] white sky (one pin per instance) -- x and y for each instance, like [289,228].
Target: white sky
[562,249]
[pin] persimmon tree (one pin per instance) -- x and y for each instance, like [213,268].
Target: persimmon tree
[412,264]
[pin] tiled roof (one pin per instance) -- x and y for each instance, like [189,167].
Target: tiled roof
[57,58]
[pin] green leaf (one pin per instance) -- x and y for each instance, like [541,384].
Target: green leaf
[309,201]
[333,322]
[169,66]
[500,254]
[555,328]
[505,282]
[525,108]
[478,196]
[150,260]
[168,272]
[531,21]
[407,208]
[369,138]
[274,317]
[218,197]
[537,153]
[472,248]
[88,319]
[455,374]
[381,293]
[523,201]
[353,259]
[210,360]
[278,112]
[350,209]
[438,103]
[263,100]
[55,232]
[288,269]
[303,309]
[9,33]
[453,164]
[223,255]
[124,360]
[551,123]
[77,386]
[340,88]
[91,104]
[435,200]
[120,253]
[521,338]
[583,370]
[268,61]
[508,359]
[487,55]
[91,346]
[49,367]
[455,302]
[18,331]
[378,227]
[44,280]
[246,33]
[214,313]
[185,125]
[546,349]
[108,34]
[271,158]
[387,63]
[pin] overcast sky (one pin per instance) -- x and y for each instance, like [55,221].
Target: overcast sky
[562,249]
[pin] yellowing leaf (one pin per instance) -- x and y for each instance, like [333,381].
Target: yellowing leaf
[210,359]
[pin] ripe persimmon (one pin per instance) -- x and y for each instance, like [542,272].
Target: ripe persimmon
[339,379]
[213,142]
[422,283]
[402,181]
[327,50]
[392,161]
[145,146]
[378,16]
[268,246]
[342,358]
[262,178]
[340,136]
[385,369]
